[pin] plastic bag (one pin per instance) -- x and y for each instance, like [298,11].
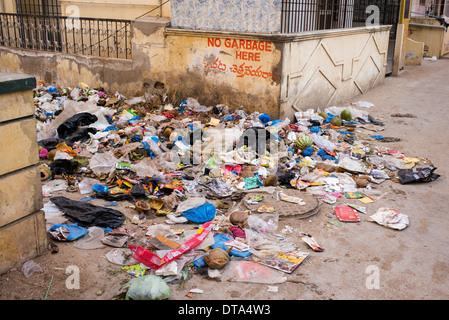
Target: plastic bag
[322,142]
[69,127]
[393,163]
[89,215]
[263,223]
[103,162]
[30,267]
[52,215]
[190,203]
[85,186]
[91,240]
[145,168]
[424,174]
[262,245]
[148,287]
[67,232]
[351,165]
[201,214]
[54,185]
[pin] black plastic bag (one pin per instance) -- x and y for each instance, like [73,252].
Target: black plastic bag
[116,197]
[138,191]
[81,134]
[61,166]
[69,127]
[423,174]
[51,143]
[89,215]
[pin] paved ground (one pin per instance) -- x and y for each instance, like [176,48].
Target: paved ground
[410,264]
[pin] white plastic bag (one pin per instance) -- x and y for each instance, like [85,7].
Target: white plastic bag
[85,186]
[322,142]
[103,162]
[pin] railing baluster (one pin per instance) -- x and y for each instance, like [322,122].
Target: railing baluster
[52,33]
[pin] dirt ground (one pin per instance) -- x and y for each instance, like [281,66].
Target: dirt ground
[411,264]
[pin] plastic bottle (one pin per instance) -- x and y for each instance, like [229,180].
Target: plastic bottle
[150,143]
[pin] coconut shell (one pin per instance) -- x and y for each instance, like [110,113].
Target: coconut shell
[271,180]
[362,181]
[238,218]
[217,258]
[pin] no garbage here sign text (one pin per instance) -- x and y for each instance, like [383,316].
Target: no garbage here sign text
[249,50]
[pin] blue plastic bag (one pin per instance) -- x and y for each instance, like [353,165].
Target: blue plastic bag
[308,151]
[265,118]
[219,242]
[201,214]
[74,230]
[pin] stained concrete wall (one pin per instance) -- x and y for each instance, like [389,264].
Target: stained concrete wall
[22,223]
[415,51]
[322,69]
[230,68]
[434,36]
[113,75]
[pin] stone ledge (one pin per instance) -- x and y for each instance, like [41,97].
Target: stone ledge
[276,37]
[13,82]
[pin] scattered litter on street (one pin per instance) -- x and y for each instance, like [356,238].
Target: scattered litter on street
[170,187]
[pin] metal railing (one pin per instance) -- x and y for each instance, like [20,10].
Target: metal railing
[107,38]
[311,15]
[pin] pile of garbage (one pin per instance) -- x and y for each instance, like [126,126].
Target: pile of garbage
[216,180]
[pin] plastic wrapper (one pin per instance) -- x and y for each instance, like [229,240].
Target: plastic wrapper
[155,262]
